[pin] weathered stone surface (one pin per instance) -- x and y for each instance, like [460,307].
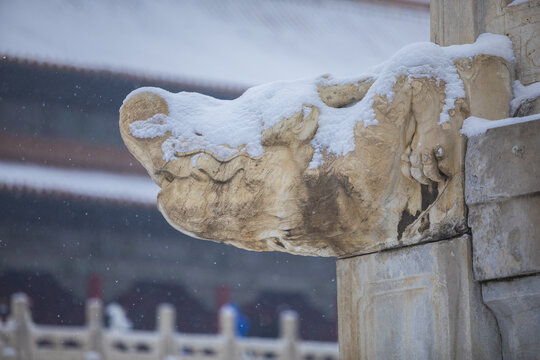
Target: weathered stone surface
[342,95]
[521,23]
[516,304]
[453,22]
[503,163]
[402,184]
[502,190]
[506,239]
[417,302]
[460,22]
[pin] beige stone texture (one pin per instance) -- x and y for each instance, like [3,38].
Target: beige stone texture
[460,22]
[417,302]
[521,23]
[506,240]
[502,191]
[403,183]
[454,22]
[341,95]
[503,163]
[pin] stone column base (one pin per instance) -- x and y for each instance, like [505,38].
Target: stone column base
[417,302]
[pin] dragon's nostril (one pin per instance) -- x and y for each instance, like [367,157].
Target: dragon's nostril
[142,106]
[166,174]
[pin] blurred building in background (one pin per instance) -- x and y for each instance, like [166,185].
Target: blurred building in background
[77,212]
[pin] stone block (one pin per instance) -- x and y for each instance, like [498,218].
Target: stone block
[417,302]
[506,240]
[516,304]
[503,163]
[502,190]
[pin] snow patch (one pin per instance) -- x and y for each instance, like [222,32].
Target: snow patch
[227,127]
[517,2]
[118,320]
[473,126]
[523,93]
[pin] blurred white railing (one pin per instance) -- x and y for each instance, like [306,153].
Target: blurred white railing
[21,339]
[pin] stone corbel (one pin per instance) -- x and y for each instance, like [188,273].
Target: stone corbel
[402,182]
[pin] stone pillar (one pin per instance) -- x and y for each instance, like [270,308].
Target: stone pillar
[23,323]
[417,302]
[227,325]
[502,190]
[460,22]
[166,320]
[454,22]
[288,332]
[94,322]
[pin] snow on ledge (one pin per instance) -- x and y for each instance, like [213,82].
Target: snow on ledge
[86,183]
[473,126]
[518,2]
[198,121]
[523,93]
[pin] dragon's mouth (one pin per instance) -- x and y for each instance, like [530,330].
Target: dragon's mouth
[217,169]
[204,164]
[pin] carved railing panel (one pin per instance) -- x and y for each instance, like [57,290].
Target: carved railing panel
[21,339]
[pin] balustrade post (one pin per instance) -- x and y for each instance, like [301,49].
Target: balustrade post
[227,325]
[94,323]
[22,319]
[166,320]
[288,329]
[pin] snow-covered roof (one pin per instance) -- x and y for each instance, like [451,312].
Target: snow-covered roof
[209,42]
[79,183]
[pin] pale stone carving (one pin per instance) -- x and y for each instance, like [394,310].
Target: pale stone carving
[401,184]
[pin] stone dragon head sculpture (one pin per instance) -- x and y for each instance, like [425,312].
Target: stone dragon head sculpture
[321,167]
